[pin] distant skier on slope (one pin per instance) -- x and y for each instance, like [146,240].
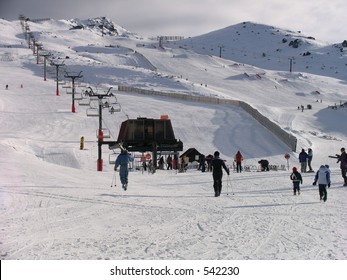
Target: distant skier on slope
[123,161]
[217,173]
[238,159]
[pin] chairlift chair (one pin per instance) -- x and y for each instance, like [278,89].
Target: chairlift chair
[92,112]
[114,108]
[84,102]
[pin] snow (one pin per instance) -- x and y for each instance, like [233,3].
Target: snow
[55,205]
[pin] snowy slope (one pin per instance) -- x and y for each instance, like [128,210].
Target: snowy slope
[54,205]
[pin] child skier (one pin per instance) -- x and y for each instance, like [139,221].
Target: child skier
[297,179]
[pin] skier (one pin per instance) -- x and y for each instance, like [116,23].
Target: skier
[303,160]
[323,179]
[296,179]
[238,159]
[217,173]
[343,165]
[123,160]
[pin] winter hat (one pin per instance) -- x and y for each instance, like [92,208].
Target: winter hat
[295,169]
[216,154]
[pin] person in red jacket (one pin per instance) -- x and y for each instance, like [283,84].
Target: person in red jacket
[238,159]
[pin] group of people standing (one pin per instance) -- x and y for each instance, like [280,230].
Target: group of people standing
[322,176]
[305,159]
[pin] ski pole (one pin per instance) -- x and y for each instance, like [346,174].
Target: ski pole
[227,186]
[114,175]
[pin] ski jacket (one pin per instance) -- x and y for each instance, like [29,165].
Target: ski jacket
[217,165]
[238,157]
[343,160]
[310,154]
[296,177]
[322,176]
[303,156]
[123,159]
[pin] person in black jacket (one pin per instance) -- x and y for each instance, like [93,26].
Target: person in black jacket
[296,179]
[343,165]
[217,173]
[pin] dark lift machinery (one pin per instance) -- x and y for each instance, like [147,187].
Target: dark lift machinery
[147,135]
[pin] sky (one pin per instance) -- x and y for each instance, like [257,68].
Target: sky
[323,19]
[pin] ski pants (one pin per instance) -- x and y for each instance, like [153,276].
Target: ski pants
[303,166]
[238,167]
[123,174]
[296,187]
[217,183]
[344,175]
[323,192]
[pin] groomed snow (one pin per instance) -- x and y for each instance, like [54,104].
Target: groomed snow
[55,205]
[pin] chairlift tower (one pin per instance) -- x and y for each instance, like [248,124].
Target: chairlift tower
[57,65]
[73,77]
[45,56]
[38,47]
[100,133]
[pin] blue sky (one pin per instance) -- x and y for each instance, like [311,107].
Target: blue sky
[323,19]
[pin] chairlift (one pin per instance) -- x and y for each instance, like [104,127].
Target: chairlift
[84,102]
[114,108]
[78,96]
[92,112]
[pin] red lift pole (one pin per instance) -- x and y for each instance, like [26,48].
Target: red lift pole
[73,77]
[57,65]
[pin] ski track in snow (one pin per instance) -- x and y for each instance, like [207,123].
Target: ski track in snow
[54,205]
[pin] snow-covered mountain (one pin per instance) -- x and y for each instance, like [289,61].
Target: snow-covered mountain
[55,205]
[272,48]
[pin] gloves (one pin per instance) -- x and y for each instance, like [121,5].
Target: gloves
[329,185]
[228,171]
[314,183]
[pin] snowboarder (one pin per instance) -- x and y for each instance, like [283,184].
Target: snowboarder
[303,160]
[123,160]
[309,159]
[238,159]
[264,165]
[343,165]
[323,179]
[296,179]
[217,173]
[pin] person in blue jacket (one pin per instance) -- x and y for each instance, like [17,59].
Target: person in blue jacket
[303,160]
[123,161]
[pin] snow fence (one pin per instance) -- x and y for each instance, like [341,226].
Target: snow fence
[287,138]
